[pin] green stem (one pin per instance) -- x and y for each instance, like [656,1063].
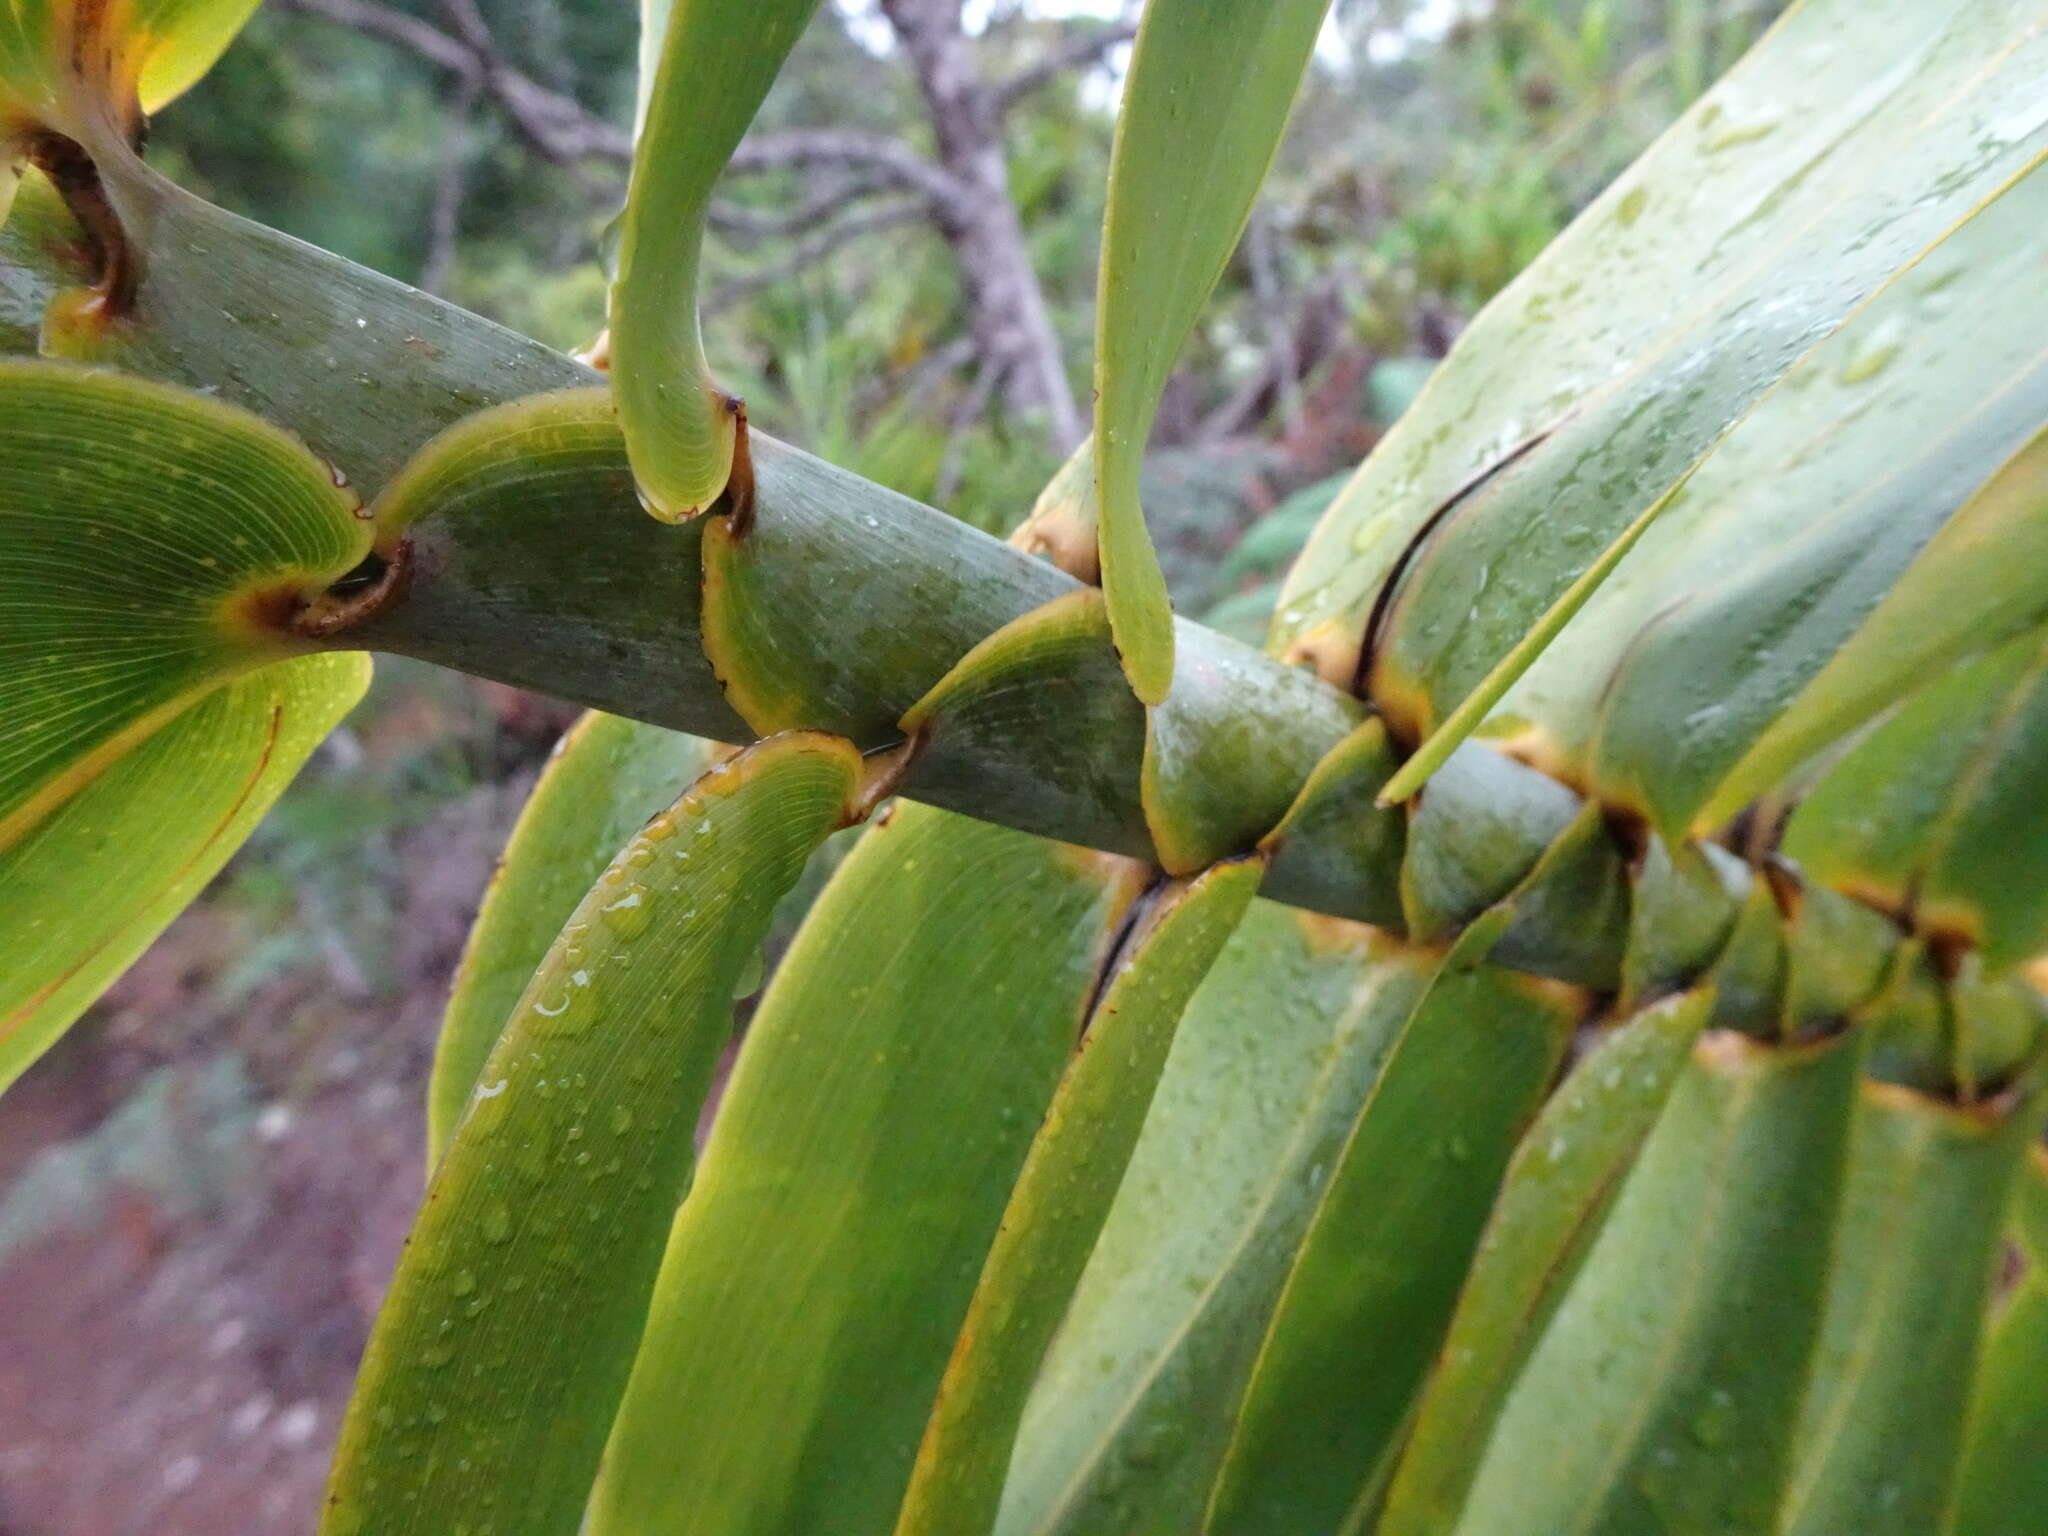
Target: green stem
[851,600]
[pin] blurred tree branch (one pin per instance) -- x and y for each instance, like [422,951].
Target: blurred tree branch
[1006,307]
[964,194]
[1076,53]
[815,247]
[444,216]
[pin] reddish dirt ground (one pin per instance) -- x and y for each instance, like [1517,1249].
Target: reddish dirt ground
[168,1370]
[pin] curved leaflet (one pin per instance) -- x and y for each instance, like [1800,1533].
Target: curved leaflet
[526,1277]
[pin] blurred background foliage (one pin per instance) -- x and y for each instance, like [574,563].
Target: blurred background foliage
[477,148]
[1438,146]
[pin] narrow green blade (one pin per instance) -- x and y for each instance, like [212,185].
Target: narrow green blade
[1210,86]
[653,30]
[1916,1260]
[867,1144]
[2003,1485]
[504,1343]
[1559,1188]
[151,543]
[91,885]
[1379,1270]
[1801,521]
[182,40]
[718,58]
[2030,1209]
[1277,1052]
[1847,141]
[1665,1390]
[1056,1212]
[1936,814]
[1965,591]
[73,66]
[1771,552]
[607,776]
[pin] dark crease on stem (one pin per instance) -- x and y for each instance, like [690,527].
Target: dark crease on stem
[1121,946]
[1383,604]
[70,170]
[373,584]
[739,483]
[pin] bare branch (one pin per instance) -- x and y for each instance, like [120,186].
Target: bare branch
[953,462]
[965,193]
[1074,53]
[1313,334]
[1006,307]
[557,126]
[737,221]
[392,26]
[564,131]
[1269,294]
[886,161]
[819,245]
[929,371]
[444,217]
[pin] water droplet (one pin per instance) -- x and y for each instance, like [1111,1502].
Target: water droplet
[1714,1422]
[463,1283]
[1737,134]
[565,1005]
[622,1119]
[1154,1442]
[497,1222]
[488,1107]
[749,980]
[1871,355]
[627,913]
